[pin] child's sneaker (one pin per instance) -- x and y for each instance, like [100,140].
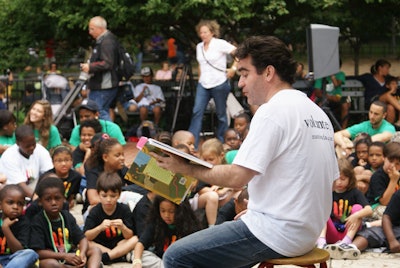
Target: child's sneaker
[321,245]
[340,250]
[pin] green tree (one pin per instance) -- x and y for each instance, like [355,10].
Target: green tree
[28,23]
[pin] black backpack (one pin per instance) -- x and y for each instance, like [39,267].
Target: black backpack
[125,67]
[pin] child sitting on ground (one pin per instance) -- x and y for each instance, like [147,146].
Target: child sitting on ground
[387,235]
[62,161]
[242,124]
[25,161]
[109,224]
[184,137]
[167,223]
[361,153]
[375,155]
[375,160]
[14,231]
[81,153]
[232,140]
[106,155]
[385,181]
[212,151]
[234,208]
[54,233]
[349,208]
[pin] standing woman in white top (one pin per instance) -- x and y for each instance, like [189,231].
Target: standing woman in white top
[211,54]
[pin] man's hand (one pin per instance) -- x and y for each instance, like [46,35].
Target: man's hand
[172,162]
[85,67]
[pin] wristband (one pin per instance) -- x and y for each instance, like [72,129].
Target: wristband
[137,261]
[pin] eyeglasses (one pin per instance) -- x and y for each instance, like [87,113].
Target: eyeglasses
[58,161]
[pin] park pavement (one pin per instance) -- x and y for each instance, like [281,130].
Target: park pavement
[366,260]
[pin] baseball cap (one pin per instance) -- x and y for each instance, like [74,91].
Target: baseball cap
[90,105]
[146,71]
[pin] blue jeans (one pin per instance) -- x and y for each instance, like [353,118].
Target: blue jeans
[24,258]
[104,98]
[203,96]
[230,244]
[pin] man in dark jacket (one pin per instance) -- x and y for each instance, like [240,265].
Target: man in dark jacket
[103,81]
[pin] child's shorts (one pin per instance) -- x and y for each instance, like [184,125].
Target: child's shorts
[376,237]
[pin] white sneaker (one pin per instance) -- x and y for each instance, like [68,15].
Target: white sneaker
[340,251]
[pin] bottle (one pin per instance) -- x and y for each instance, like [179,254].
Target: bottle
[146,91]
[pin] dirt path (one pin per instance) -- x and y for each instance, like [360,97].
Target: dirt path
[365,65]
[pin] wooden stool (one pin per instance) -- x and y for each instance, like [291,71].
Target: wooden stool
[308,260]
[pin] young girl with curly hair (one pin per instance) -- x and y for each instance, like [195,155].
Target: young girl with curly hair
[167,222]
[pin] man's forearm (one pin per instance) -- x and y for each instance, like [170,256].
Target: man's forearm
[232,176]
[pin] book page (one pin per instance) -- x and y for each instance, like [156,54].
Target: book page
[172,150]
[145,172]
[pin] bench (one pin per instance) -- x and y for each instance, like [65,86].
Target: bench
[355,90]
[352,88]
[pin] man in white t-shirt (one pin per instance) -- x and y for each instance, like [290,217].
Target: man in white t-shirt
[149,96]
[287,160]
[25,161]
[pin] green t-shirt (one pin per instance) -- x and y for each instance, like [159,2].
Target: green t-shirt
[108,127]
[367,128]
[229,156]
[330,89]
[7,140]
[54,138]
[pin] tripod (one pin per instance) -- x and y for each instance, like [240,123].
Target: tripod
[181,88]
[327,109]
[69,99]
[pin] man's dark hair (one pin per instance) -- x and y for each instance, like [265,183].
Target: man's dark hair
[268,50]
[23,131]
[381,104]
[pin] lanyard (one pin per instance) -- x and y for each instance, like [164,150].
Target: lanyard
[66,244]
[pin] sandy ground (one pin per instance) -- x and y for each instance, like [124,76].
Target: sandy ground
[365,65]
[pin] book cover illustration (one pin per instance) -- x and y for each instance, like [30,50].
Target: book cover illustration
[145,172]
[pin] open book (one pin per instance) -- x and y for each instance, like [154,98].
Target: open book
[145,171]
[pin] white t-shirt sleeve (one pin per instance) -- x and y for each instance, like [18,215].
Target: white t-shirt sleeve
[45,161]
[14,166]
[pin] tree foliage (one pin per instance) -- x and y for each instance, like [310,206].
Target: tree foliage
[29,23]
